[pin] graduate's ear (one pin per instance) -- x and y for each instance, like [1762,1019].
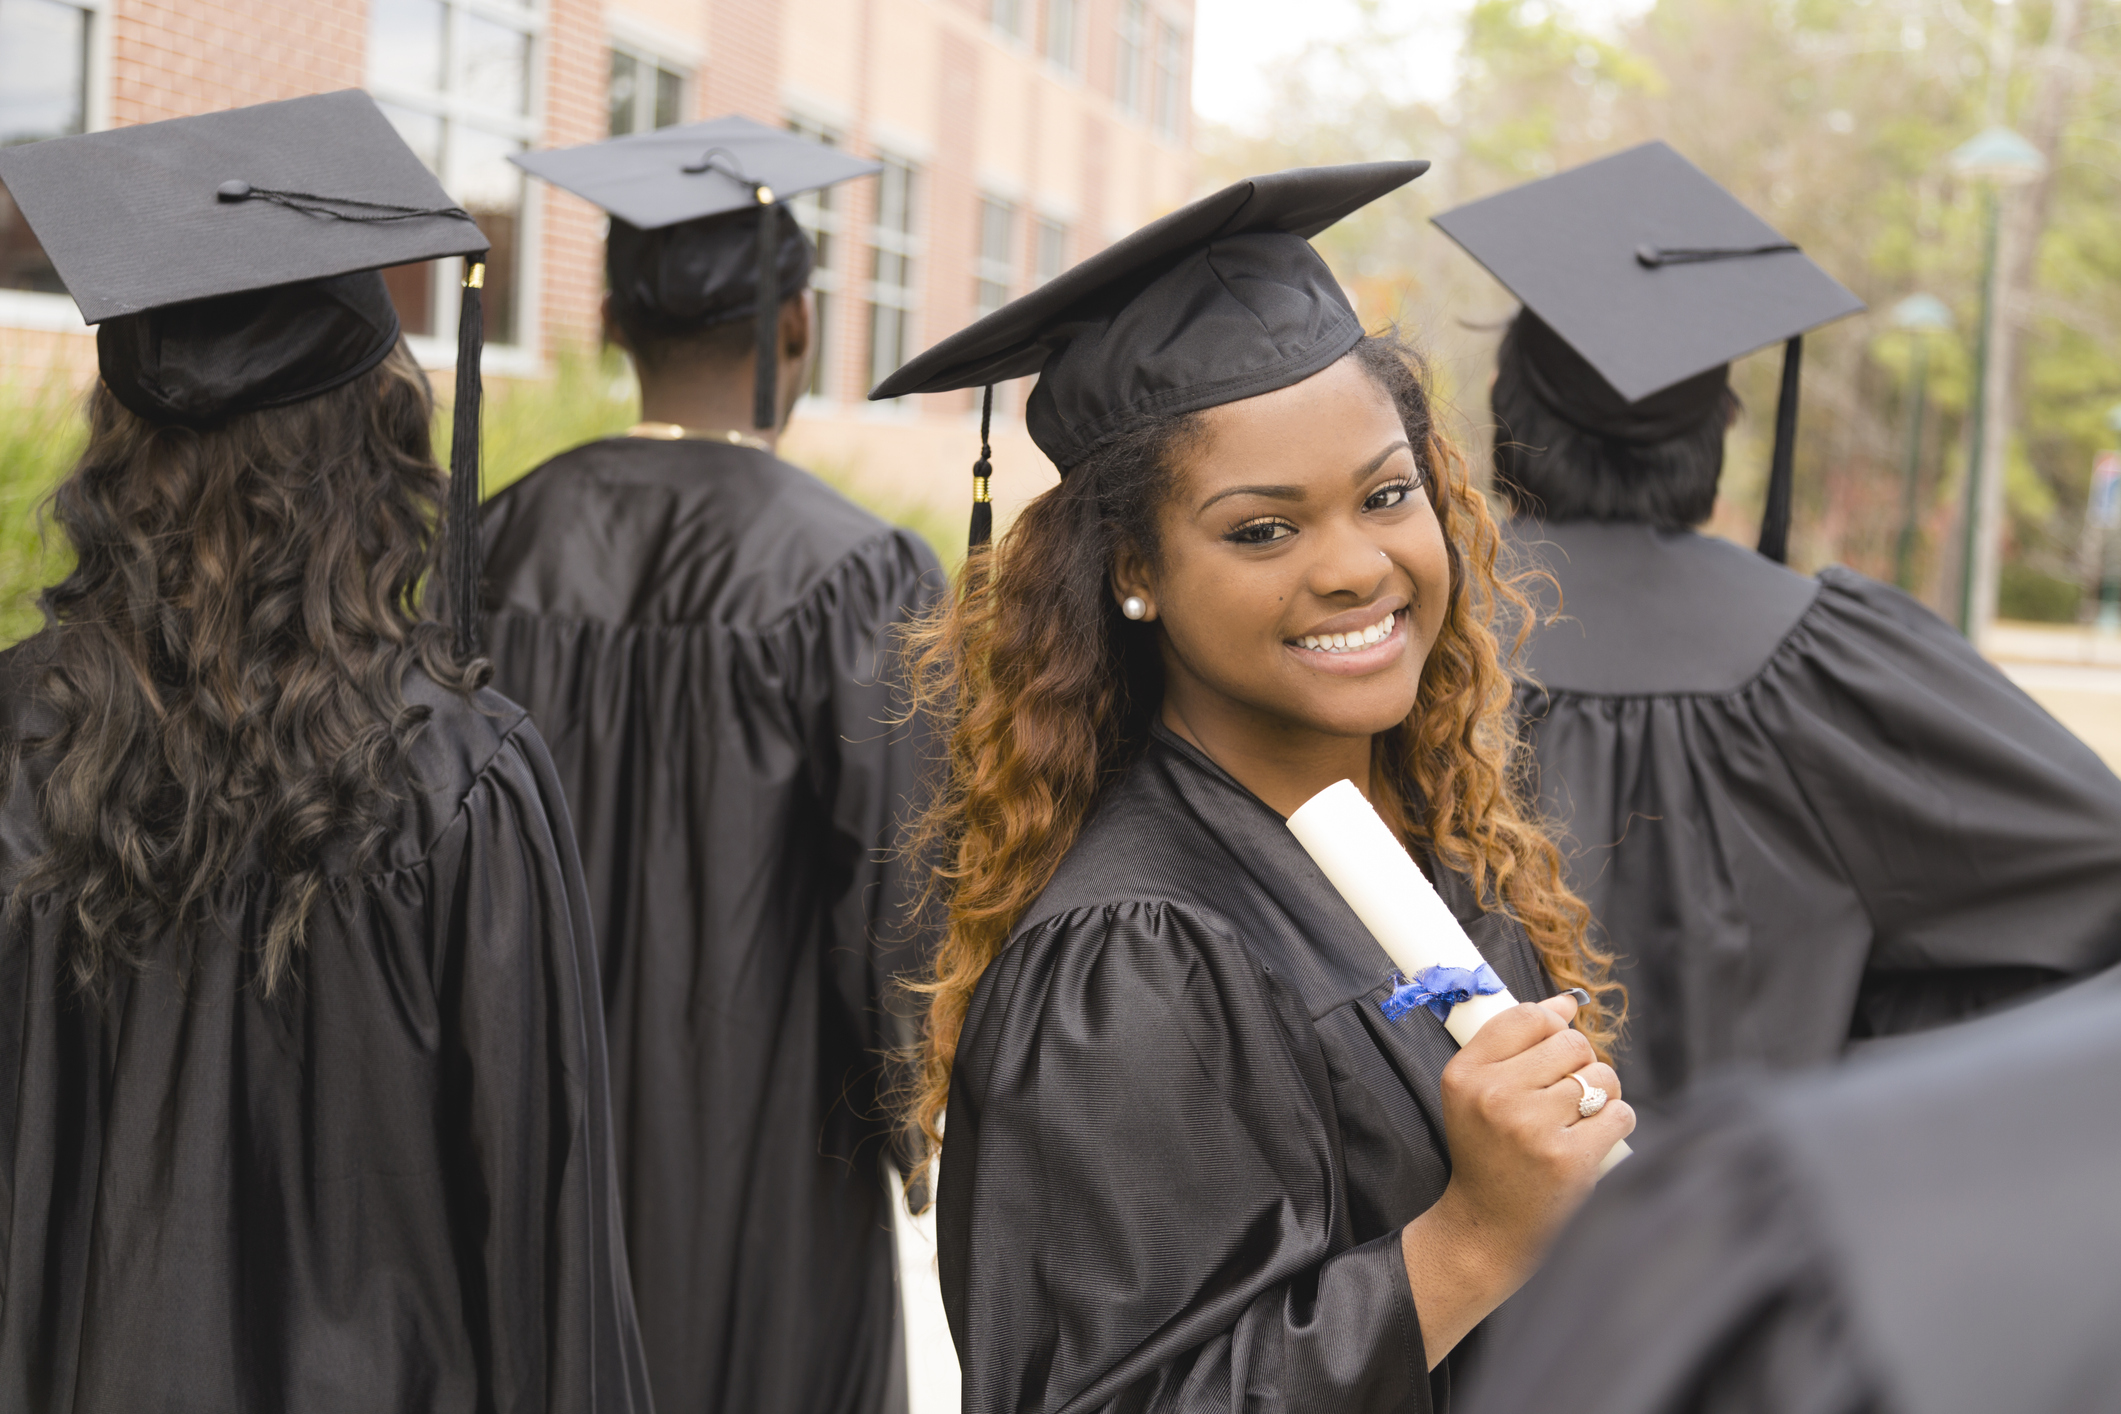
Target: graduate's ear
[798,315]
[1133,586]
[798,318]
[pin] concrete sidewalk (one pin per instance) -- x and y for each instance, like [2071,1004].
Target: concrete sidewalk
[2073,672]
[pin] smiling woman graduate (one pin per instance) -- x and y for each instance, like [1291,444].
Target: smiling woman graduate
[1193,1162]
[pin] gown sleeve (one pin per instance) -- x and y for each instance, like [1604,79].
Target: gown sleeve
[1983,839]
[1694,1281]
[525,1109]
[871,764]
[1142,1197]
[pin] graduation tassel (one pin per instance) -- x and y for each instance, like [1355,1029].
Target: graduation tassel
[463,558]
[765,409]
[1775,517]
[982,498]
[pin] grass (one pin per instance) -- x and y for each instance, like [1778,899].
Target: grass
[42,430]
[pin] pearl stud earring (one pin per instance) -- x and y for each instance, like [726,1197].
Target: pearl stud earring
[1134,607]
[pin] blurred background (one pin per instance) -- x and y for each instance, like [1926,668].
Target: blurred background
[1955,162]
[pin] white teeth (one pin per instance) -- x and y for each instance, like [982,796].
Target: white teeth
[1342,642]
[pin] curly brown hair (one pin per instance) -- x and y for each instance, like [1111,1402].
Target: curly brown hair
[1047,698]
[224,666]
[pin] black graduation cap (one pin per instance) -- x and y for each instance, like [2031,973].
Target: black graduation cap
[1218,301]
[231,261]
[681,254]
[1650,272]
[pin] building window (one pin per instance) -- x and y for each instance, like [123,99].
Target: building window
[995,270]
[891,291]
[1172,99]
[821,218]
[1064,35]
[646,92]
[43,93]
[1127,58]
[455,77]
[1051,255]
[1010,17]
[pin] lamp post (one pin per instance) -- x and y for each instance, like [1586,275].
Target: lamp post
[1997,158]
[1919,316]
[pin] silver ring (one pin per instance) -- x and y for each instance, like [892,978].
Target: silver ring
[1593,1098]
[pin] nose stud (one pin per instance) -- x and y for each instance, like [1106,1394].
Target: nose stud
[1134,607]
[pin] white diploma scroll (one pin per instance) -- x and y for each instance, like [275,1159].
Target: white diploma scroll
[1373,872]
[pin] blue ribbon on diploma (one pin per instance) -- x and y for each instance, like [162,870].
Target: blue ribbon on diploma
[1439,989]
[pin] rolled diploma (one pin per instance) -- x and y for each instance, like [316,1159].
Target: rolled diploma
[1373,872]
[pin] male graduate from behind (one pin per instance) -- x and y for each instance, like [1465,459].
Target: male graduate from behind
[1810,812]
[703,631]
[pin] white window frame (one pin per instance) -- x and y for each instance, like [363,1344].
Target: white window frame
[1171,112]
[996,271]
[905,297]
[1133,28]
[39,309]
[823,213]
[1013,21]
[655,46]
[1041,223]
[439,350]
[1073,63]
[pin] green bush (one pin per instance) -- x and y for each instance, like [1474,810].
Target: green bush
[42,430]
[2028,594]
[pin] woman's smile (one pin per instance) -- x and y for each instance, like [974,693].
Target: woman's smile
[1371,641]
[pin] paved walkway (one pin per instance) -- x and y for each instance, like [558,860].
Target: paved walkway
[931,1362]
[2074,673]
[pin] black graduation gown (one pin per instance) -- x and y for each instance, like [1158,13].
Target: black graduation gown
[388,1186]
[696,629]
[1183,1137]
[1802,810]
[1930,1229]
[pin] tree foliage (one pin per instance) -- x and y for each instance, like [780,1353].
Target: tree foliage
[1831,118]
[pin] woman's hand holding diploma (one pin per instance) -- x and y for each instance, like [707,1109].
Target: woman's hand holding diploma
[1523,1155]
[1521,1161]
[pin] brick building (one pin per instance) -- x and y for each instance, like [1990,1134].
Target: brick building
[1017,137]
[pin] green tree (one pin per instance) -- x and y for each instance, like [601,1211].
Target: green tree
[1833,119]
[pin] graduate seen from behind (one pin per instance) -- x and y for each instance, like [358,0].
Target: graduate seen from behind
[304,1083]
[704,633]
[1927,1229]
[1204,1151]
[1802,810]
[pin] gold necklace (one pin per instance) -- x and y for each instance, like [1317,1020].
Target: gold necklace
[672,432]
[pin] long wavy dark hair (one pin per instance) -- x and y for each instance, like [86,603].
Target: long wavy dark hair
[225,665]
[1047,695]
